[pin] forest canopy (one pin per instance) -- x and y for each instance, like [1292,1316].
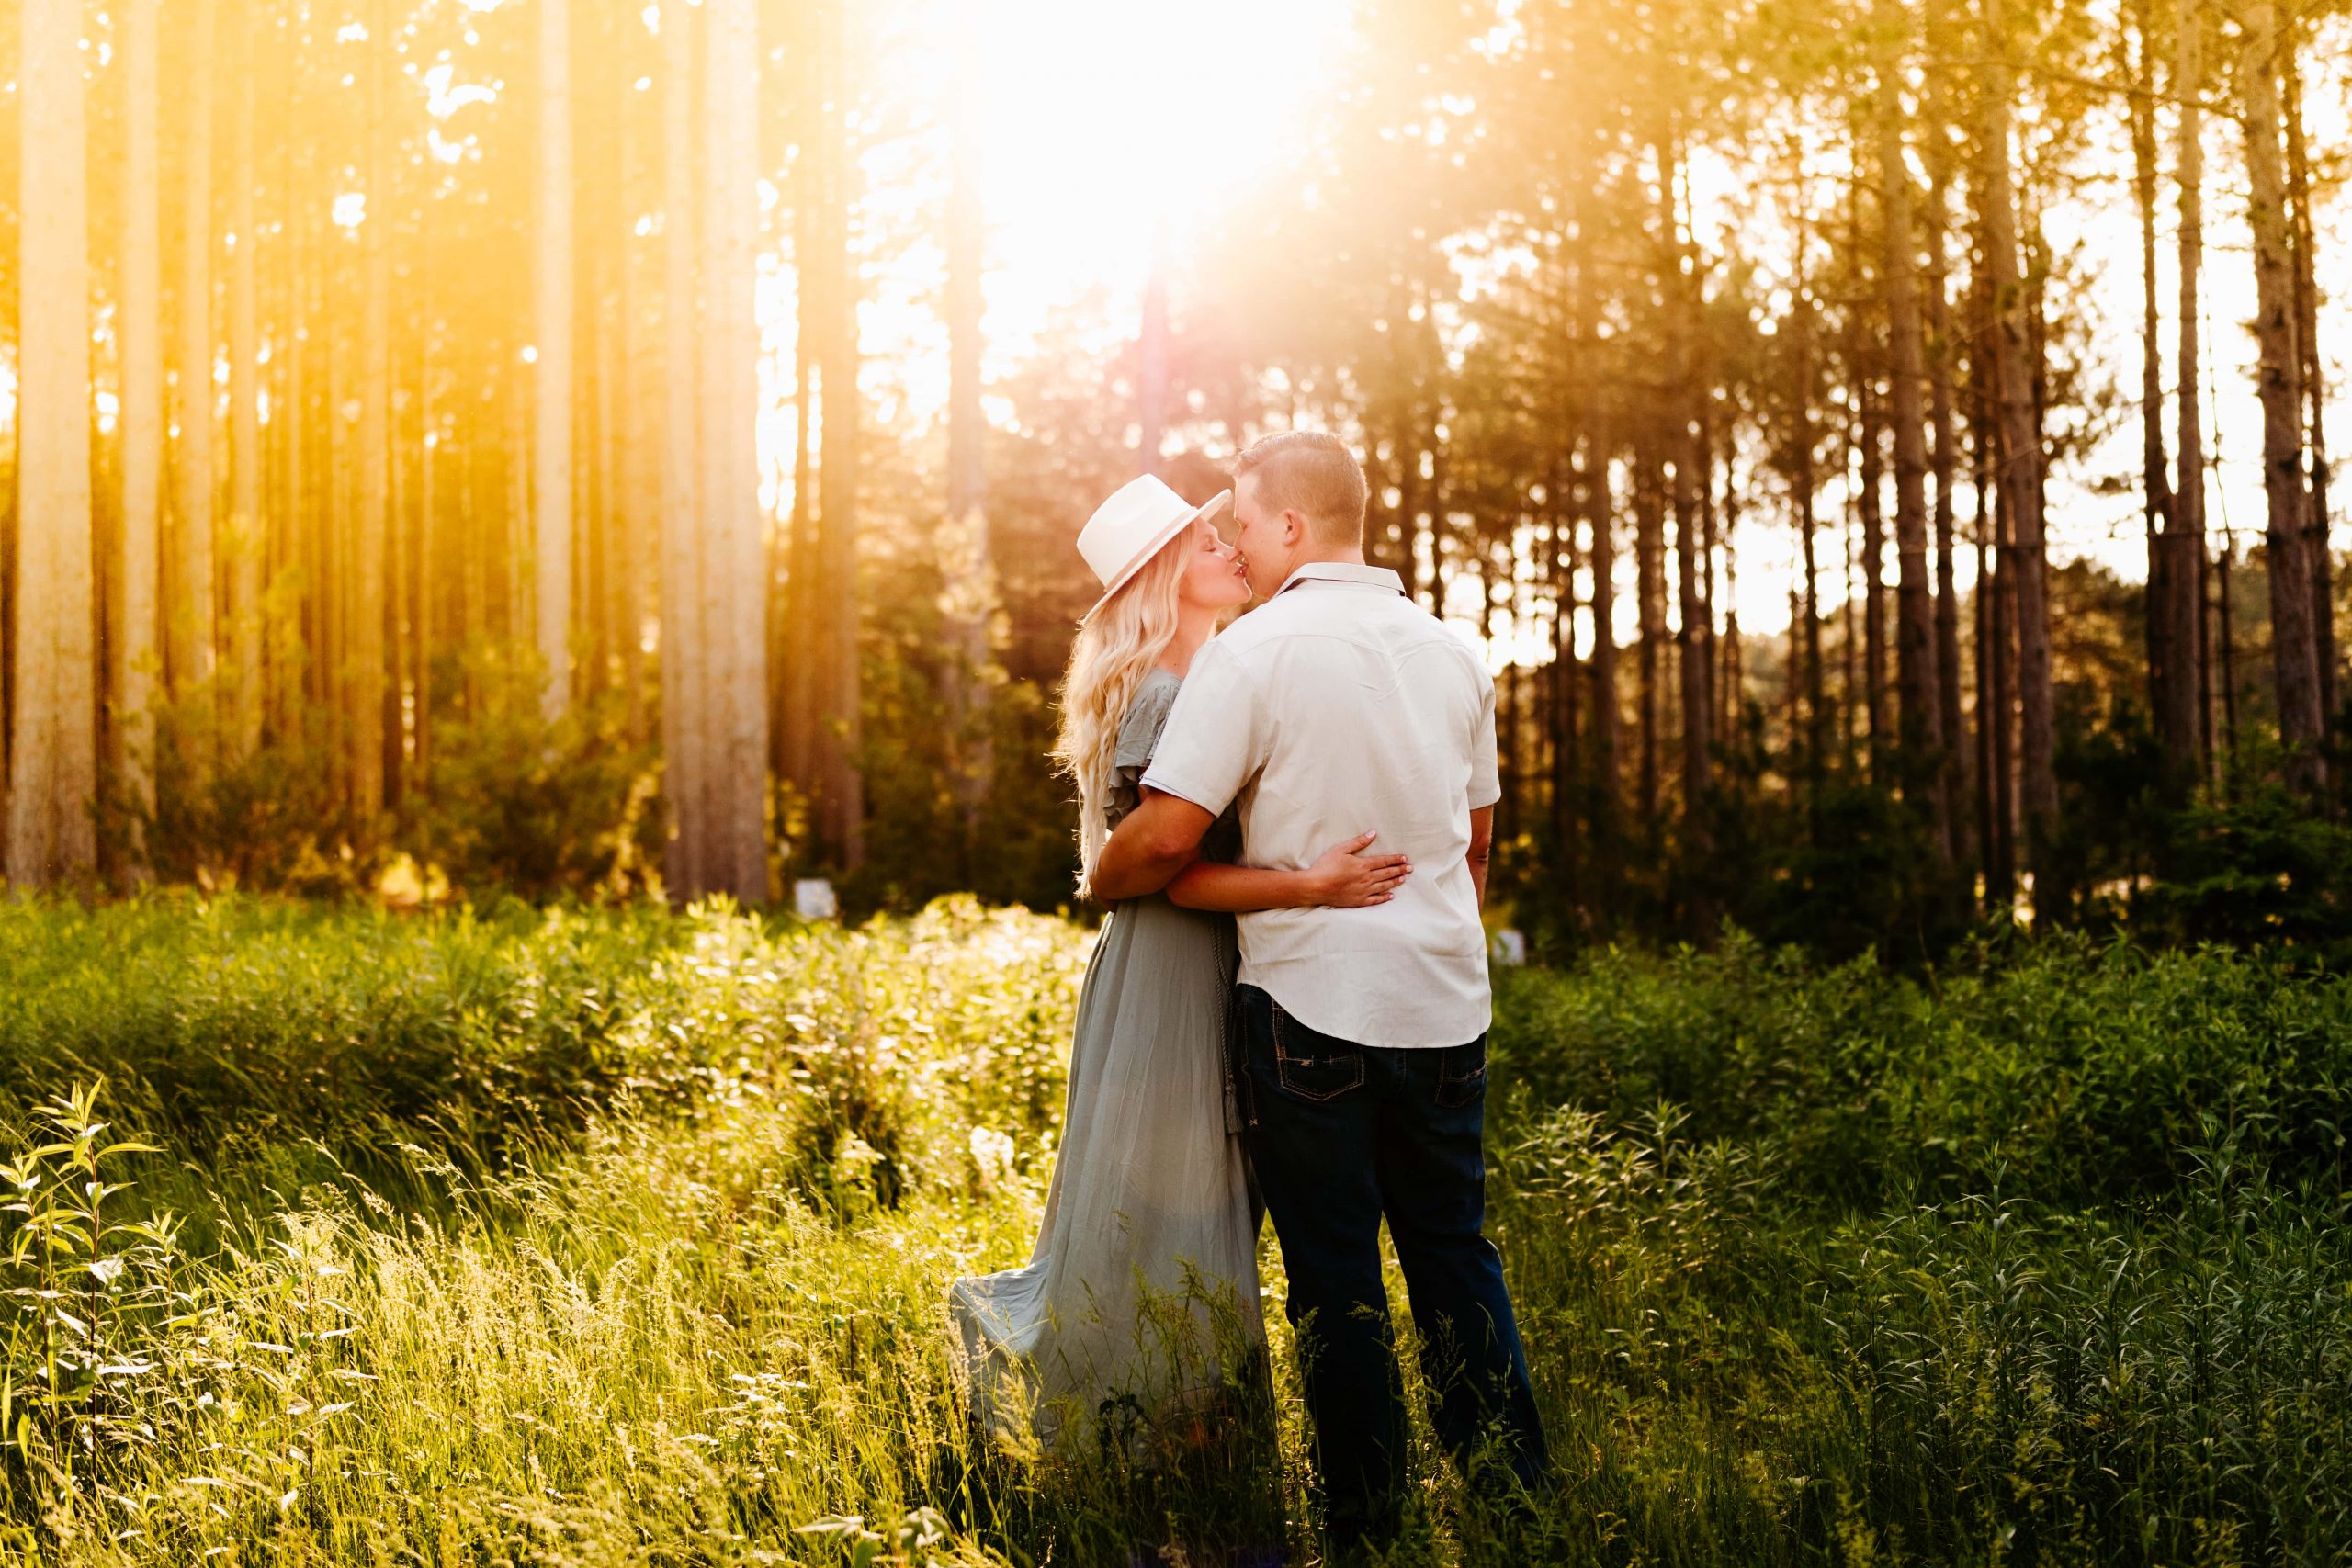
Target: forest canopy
[457,445]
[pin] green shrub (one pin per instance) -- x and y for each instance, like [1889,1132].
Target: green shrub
[2076,1070]
[516,803]
[598,1235]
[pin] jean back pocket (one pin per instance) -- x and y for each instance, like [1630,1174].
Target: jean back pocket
[1311,1065]
[1462,1074]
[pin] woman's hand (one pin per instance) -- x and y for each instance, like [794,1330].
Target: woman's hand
[1344,877]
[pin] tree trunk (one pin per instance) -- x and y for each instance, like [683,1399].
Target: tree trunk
[551,477]
[797,754]
[392,729]
[191,614]
[1600,518]
[1869,438]
[840,722]
[1817,706]
[1714,561]
[245,534]
[2167,667]
[52,740]
[428,524]
[2306,238]
[1792,696]
[363,572]
[965,556]
[1917,678]
[1561,557]
[1996,644]
[2293,642]
[2021,462]
[1693,637]
[1943,463]
[2226,655]
[1943,451]
[684,678]
[515,579]
[139,341]
[331,542]
[2002,717]
[640,464]
[1850,634]
[294,632]
[1693,661]
[1732,663]
[1649,605]
[599,554]
[1426,540]
[1988,834]
[1579,782]
[1506,697]
[735,583]
[2184,721]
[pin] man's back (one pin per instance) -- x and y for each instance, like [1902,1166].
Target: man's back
[1337,708]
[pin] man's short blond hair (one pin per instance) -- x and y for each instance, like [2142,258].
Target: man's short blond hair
[1314,475]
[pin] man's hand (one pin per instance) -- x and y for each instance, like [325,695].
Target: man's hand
[1157,839]
[1482,842]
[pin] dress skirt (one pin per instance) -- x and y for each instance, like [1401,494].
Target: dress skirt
[1139,1302]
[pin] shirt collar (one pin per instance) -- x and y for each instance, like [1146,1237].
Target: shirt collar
[1378,577]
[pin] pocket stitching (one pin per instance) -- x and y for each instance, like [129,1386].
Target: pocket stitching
[1282,1062]
[1456,1092]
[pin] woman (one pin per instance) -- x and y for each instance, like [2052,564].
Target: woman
[1142,1289]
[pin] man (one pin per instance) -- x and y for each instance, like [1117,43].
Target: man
[1338,707]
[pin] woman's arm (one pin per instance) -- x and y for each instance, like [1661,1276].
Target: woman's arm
[1344,877]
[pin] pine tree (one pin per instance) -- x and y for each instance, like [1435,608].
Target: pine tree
[362,642]
[2293,643]
[965,562]
[1917,674]
[552,497]
[243,538]
[2183,717]
[2167,666]
[2313,384]
[190,618]
[840,689]
[52,740]
[139,338]
[2021,457]
[684,684]
[735,540]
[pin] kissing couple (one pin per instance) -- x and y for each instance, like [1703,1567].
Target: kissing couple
[1332,1062]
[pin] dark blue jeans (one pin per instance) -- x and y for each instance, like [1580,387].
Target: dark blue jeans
[1342,1135]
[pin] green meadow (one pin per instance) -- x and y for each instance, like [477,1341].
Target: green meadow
[615,1236]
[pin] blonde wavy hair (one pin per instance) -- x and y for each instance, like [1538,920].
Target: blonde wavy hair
[1118,643]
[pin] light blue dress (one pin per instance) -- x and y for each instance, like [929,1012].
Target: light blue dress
[1140,1299]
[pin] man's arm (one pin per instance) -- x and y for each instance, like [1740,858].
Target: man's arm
[1482,840]
[1154,842]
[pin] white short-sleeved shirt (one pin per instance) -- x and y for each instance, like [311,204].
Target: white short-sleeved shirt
[1336,708]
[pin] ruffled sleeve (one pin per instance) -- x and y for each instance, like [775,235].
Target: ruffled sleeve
[1138,738]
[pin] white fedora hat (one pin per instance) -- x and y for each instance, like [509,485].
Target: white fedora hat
[1134,526]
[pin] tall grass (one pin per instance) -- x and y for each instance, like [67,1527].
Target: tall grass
[623,1238]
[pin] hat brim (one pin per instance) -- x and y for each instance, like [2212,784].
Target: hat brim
[1176,525]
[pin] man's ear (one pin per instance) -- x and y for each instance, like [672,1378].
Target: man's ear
[1294,526]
